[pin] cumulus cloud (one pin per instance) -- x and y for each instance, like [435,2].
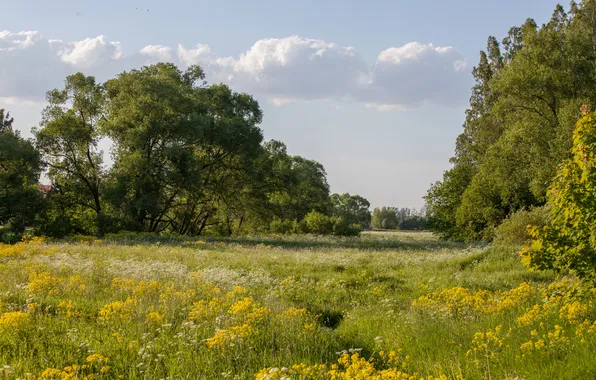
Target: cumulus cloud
[200,55]
[89,52]
[415,74]
[29,65]
[282,69]
[13,41]
[298,68]
[162,53]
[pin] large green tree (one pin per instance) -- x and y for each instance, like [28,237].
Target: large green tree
[518,127]
[20,168]
[188,158]
[178,146]
[68,139]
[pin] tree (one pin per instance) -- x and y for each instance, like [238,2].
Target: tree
[188,158]
[416,222]
[298,185]
[353,209]
[68,140]
[20,167]
[6,122]
[179,146]
[569,243]
[481,130]
[519,124]
[385,218]
[443,199]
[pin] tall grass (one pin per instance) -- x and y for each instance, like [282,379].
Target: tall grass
[384,305]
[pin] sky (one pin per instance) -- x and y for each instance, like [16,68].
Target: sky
[374,90]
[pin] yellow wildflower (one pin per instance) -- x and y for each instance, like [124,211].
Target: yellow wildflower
[13,321]
[229,337]
[119,310]
[154,318]
[67,308]
[42,283]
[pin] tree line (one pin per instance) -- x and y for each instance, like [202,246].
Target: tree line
[392,218]
[188,158]
[524,105]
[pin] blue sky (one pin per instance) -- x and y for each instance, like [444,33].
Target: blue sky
[356,85]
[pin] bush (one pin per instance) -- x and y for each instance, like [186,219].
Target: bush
[342,228]
[299,227]
[279,226]
[514,229]
[568,243]
[315,223]
[318,223]
[7,236]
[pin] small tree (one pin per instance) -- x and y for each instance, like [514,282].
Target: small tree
[570,242]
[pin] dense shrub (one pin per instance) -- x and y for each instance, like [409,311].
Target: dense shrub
[342,228]
[318,223]
[568,244]
[299,227]
[7,236]
[279,226]
[514,229]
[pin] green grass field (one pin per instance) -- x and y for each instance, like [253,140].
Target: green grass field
[385,306]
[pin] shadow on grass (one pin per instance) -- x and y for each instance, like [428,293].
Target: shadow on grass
[294,242]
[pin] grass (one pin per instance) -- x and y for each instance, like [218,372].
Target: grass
[385,305]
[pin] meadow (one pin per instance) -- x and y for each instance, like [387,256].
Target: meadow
[383,306]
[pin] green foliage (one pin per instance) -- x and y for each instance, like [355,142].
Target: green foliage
[299,227]
[518,128]
[279,226]
[319,223]
[296,185]
[189,158]
[569,244]
[64,215]
[68,140]
[20,167]
[385,218]
[178,146]
[342,227]
[443,200]
[415,222]
[514,230]
[353,209]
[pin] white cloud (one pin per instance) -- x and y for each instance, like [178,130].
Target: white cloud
[163,53]
[13,41]
[282,69]
[90,52]
[297,68]
[415,74]
[200,55]
[28,65]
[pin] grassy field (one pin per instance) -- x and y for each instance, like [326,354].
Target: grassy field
[385,306]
